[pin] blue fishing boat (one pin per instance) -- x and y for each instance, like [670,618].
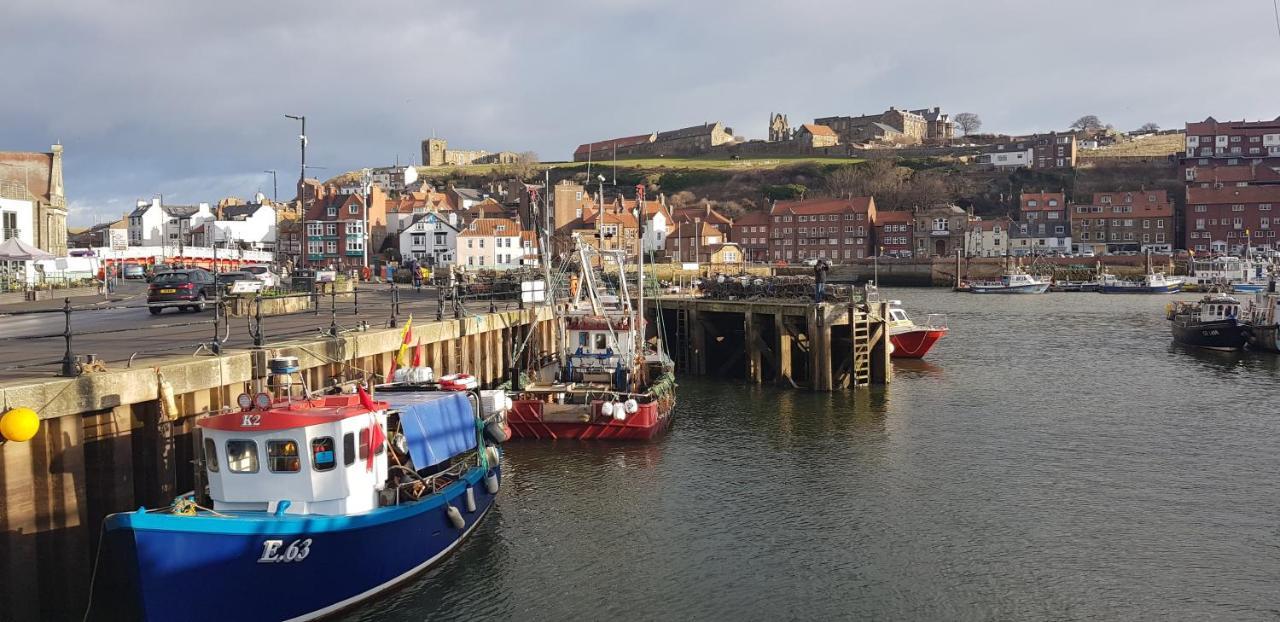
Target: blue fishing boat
[318,503]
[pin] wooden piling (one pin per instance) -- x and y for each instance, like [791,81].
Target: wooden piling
[784,375]
[755,374]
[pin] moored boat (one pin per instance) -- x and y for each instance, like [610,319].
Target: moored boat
[911,340]
[1150,283]
[314,509]
[1212,323]
[1262,322]
[606,380]
[1017,282]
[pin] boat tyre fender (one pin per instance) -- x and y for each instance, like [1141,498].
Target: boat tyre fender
[491,482]
[492,455]
[455,517]
[494,432]
[471,499]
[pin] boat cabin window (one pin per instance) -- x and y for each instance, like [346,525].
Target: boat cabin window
[602,342]
[364,445]
[584,339]
[242,456]
[282,457]
[322,456]
[348,449]
[211,455]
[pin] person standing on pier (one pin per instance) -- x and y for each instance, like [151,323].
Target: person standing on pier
[820,279]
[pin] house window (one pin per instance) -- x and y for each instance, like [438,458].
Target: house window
[331,229]
[242,456]
[331,211]
[1264,207]
[1204,208]
[331,247]
[354,209]
[1160,224]
[941,224]
[1237,207]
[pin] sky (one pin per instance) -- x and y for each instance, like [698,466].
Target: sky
[187,100]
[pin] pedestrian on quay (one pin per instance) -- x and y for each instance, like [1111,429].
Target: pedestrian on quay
[416,276]
[424,276]
[820,279]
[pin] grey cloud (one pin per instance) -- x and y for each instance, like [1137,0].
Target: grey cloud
[187,98]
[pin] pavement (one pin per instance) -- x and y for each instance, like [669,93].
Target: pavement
[124,332]
[128,291]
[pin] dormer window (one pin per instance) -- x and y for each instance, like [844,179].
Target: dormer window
[500,228]
[332,211]
[472,227]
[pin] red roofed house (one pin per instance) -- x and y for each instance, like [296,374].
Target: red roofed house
[491,244]
[335,225]
[987,238]
[706,214]
[893,233]
[834,229]
[1124,220]
[817,136]
[1044,224]
[1222,219]
[690,242]
[751,232]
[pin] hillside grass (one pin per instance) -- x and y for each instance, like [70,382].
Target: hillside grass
[1151,146]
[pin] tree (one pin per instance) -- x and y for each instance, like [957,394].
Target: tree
[1088,122]
[524,165]
[785,192]
[968,122]
[1150,126]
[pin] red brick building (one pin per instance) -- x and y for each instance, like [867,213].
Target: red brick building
[1125,220]
[1231,185]
[751,232]
[834,229]
[894,233]
[1215,140]
[1222,219]
[335,227]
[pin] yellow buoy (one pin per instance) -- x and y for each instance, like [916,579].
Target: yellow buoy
[19,424]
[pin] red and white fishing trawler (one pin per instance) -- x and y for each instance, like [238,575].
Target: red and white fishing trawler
[606,381]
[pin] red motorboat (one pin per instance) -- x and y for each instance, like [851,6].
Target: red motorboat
[911,340]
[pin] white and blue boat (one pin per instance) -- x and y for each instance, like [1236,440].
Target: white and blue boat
[1150,283]
[318,504]
[1017,282]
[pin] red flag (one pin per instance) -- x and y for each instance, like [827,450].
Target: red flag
[366,400]
[417,354]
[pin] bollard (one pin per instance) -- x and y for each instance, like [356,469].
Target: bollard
[315,301]
[215,346]
[69,368]
[493,306]
[355,300]
[439,305]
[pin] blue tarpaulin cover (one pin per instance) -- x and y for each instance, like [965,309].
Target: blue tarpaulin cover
[437,425]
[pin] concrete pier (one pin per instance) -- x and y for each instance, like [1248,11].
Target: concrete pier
[106,445]
[822,347]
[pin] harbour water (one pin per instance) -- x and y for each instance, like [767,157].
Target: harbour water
[1054,457]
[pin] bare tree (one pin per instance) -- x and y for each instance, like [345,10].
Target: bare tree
[968,122]
[1150,126]
[1088,122]
[524,165]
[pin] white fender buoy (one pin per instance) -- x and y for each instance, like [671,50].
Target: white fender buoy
[491,482]
[493,456]
[619,412]
[507,403]
[632,406]
[606,409]
[455,517]
[471,499]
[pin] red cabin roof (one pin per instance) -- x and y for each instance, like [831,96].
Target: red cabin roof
[284,415]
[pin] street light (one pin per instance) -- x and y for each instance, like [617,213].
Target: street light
[302,178]
[275,187]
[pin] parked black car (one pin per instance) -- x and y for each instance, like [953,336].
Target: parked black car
[185,289]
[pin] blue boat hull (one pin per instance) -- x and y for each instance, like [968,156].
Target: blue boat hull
[168,567]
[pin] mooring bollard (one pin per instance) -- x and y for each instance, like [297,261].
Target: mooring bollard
[439,304]
[333,311]
[395,306]
[355,301]
[68,359]
[257,321]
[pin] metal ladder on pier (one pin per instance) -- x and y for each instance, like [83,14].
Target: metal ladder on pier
[860,330]
[682,342]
